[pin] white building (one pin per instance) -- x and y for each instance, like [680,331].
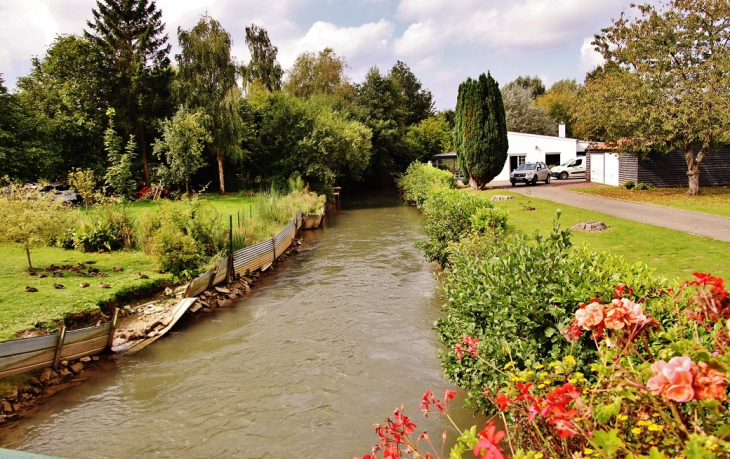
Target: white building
[529,148]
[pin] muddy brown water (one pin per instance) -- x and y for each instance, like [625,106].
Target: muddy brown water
[330,343]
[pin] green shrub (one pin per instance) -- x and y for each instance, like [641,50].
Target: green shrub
[630,185]
[420,179]
[448,215]
[183,235]
[644,186]
[517,295]
[95,237]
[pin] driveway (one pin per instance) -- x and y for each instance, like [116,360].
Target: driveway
[700,224]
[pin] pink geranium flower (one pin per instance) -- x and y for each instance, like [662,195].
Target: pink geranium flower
[673,380]
[590,316]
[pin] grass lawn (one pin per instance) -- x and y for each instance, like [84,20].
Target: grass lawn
[673,254]
[712,200]
[21,310]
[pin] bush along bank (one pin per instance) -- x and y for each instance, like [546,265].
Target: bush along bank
[580,353]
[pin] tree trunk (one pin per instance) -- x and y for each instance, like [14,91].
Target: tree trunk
[221,180]
[143,145]
[187,187]
[30,265]
[693,169]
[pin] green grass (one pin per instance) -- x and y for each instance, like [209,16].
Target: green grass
[673,254]
[45,309]
[20,310]
[715,200]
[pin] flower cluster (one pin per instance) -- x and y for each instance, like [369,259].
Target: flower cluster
[619,314]
[682,380]
[395,440]
[472,345]
[558,407]
[429,399]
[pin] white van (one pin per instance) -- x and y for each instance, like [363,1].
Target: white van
[571,168]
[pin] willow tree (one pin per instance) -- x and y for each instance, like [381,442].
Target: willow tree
[263,67]
[480,131]
[666,84]
[206,83]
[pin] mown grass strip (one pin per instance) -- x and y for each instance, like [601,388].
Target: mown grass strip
[714,201]
[672,253]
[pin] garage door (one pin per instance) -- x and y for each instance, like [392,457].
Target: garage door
[610,169]
[597,168]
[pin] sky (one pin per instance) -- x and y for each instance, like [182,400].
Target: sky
[442,41]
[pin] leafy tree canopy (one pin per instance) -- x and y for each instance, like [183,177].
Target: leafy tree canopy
[206,82]
[263,66]
[666,82]
[559,104]
[524,116]
[418,102]
[534,85]
[320,73]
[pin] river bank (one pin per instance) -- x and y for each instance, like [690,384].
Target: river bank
[320,350]
[141,320]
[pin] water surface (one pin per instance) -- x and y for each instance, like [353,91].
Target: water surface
[330,343]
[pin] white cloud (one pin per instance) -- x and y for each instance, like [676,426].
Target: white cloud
[589,57]
[372,38]
[500,25]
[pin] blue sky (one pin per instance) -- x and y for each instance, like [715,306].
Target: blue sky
[443,41]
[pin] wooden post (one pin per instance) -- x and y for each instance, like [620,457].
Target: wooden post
[229,274]
[59,348]
[273,242]
[115,317]
[212,277]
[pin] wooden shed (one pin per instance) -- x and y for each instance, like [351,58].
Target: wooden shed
[605,165]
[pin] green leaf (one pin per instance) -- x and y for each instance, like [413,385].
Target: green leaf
[608,442]
[603,413]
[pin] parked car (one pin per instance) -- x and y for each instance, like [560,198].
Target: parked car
[571,168]
[61,192]
[530,173]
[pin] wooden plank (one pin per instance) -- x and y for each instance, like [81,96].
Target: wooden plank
[21,346]
[59,348]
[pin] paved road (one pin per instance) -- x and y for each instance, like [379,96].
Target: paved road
[712,226]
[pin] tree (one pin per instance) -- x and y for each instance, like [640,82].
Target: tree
[31,220]
[480,134]
[534,85]
[26,150]
[321,73]
[666,82]
[263,66]
[307,137]
[64,92]
[380,106]
[430,137]
[84,182]
[119,174]
[418,101]
[129,34]
[559,103]
[181,145]
[207,83]
[524,116]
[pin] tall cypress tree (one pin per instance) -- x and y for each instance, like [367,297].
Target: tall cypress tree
[480,132]
[130,36]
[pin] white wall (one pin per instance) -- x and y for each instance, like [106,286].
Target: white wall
[534,147]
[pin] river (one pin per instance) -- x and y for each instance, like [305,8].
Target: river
[327,345]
